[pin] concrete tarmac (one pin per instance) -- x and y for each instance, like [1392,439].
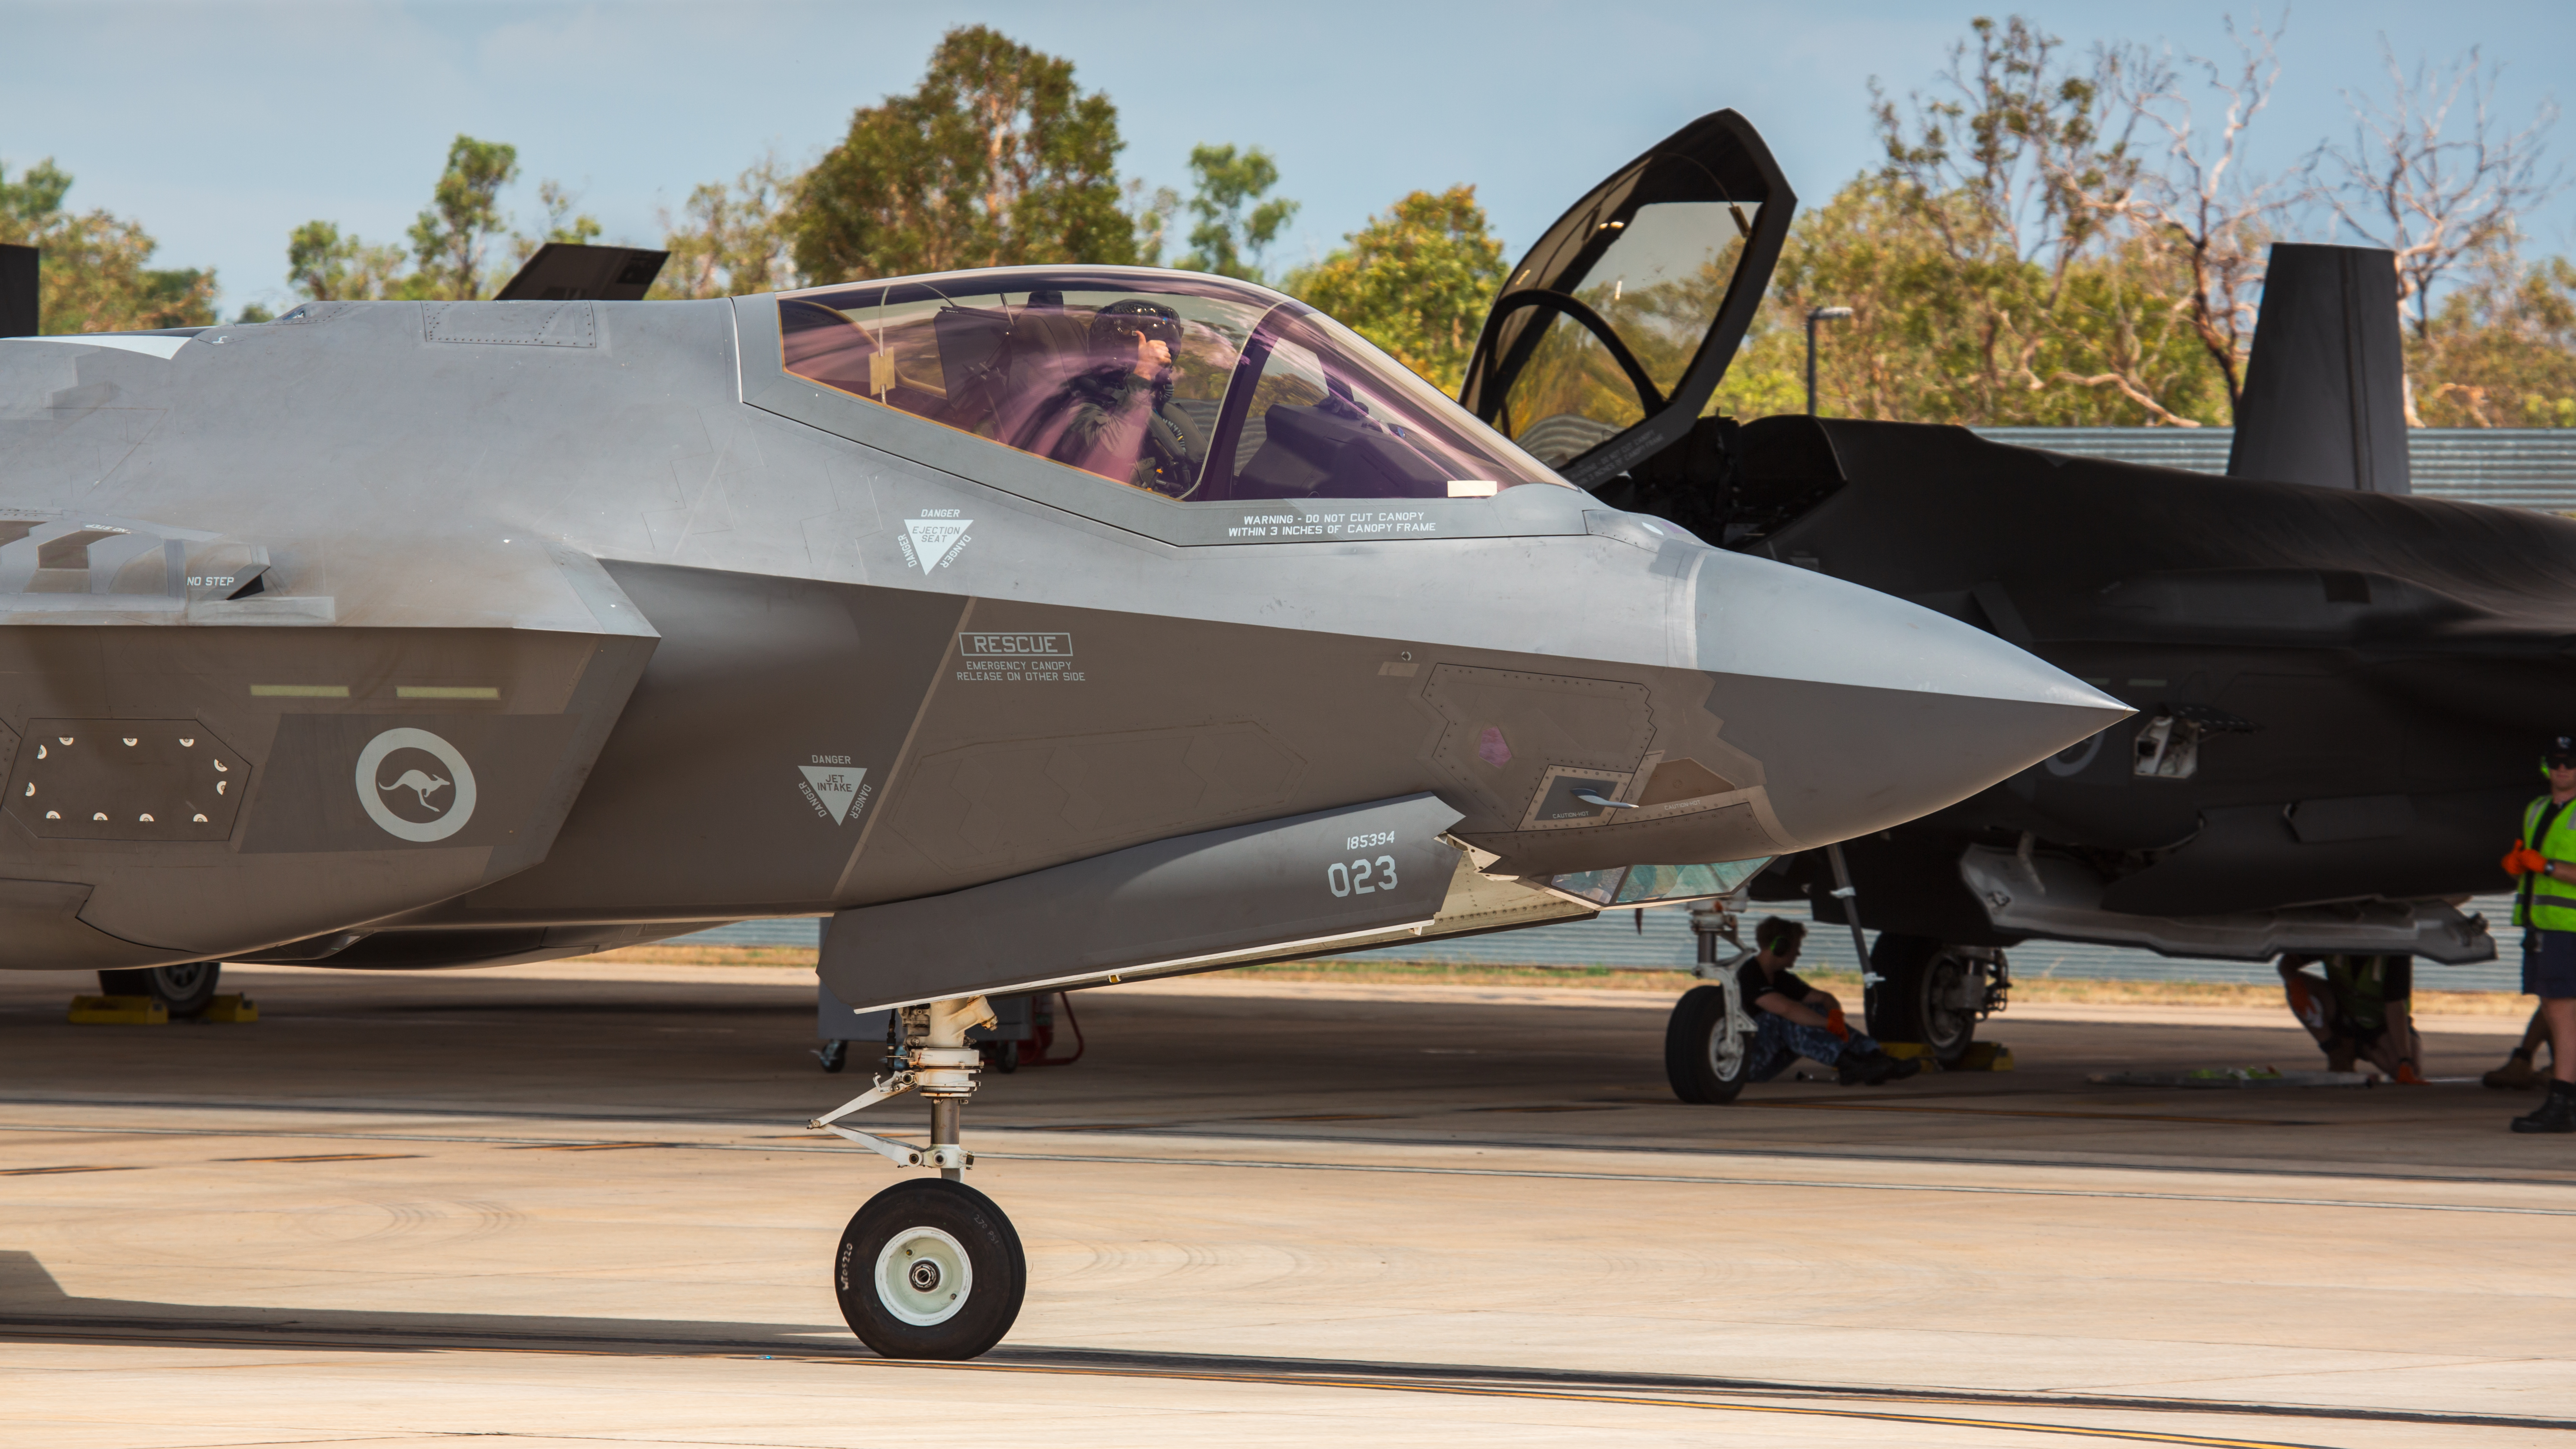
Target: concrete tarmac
[567,1204]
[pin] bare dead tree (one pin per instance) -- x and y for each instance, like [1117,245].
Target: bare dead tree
[2433,175]
[2199,205]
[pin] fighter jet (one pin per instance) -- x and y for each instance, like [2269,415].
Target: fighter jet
[1041,627]
[2339,688]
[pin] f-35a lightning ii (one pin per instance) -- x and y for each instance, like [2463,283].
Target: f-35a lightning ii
[1042,627]
[2338,687]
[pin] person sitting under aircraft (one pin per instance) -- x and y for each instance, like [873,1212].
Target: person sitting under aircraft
[1116,418]
[2545,907]
[1793,1019]
[2359,1010]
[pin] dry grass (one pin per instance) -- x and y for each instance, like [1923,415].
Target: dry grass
[709,955]
[2035,991]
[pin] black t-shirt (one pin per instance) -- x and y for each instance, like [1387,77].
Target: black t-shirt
[1756,985]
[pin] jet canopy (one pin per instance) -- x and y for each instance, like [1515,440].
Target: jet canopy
[1621,321]
[1180,384]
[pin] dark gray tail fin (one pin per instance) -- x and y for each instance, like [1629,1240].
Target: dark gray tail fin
[569,272]
[2325,388]
[17,291]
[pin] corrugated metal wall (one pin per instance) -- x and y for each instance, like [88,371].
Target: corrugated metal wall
[2514,467]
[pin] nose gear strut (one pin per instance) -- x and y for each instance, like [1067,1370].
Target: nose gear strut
[931,1058]
[928,1269]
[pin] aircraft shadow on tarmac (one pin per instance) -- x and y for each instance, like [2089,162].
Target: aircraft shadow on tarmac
[34,1307]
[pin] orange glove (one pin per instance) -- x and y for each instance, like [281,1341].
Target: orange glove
[1834,1023]
[2408,1076]
[2513,858]
[2526,862]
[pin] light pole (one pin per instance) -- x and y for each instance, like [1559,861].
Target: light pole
[1814,316]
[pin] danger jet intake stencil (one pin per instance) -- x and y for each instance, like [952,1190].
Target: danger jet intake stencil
[834,788]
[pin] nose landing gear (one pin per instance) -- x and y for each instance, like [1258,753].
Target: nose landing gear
[928,1268]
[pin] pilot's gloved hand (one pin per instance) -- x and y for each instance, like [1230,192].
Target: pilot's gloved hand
[1834,1023]
[2513,859]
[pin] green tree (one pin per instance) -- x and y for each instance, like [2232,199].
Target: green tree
[450,239]
[563,224]
[1228,240]
[1416,281]
[1150,215]
[95,273]
[322,265]
[729,238]
[996,159]
[2016,260]
[2500,351]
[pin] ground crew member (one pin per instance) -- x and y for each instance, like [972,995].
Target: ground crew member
[2545,907]
[2361,1010]
[1792,1019]
[2518,1074]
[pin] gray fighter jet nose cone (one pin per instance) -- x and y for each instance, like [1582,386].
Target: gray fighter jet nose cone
[1866,710]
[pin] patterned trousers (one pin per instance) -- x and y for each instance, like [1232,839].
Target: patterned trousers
[1778,1041]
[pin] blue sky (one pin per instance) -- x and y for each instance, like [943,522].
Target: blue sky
[221,126]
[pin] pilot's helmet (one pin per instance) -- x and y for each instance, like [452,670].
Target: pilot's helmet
[1112,325]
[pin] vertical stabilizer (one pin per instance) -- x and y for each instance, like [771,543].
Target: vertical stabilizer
[2324,399]
[17,291]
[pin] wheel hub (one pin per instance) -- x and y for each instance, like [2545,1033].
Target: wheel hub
[923,1276]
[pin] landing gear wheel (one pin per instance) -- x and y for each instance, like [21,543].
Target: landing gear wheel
[184,990]
[930,1269]
[1927,992]
[1705,1054]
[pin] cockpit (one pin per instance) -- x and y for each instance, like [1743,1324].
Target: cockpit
[1186,386]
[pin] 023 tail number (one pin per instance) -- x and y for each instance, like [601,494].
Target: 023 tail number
[1361,877]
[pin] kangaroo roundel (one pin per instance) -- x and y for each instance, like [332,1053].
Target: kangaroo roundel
[416,785]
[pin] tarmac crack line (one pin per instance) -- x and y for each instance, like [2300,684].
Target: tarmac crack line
[1480,1381]
[1417,1169]
[1517,1172]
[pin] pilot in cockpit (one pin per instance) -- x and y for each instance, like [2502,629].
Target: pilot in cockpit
[1117,418]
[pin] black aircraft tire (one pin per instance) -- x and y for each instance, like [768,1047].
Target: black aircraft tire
[184,990]
[1704,1067]
[1915,974]
[898,1273]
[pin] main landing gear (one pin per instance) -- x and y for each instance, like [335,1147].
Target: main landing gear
[183,990]
[928,1268]
[1932,992]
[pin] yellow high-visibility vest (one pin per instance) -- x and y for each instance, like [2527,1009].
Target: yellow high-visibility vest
[2544,903]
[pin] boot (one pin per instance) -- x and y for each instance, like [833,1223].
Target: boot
[1858,1069]
[2341,1053]
[2516,1075]
[2556,1113]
